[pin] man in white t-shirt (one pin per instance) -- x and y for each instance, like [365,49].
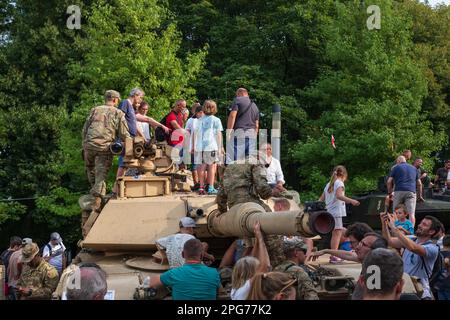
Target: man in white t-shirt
[54,252]
[190,127]
[171,247]
[275,177]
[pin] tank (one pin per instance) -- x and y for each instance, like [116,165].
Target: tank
[152,198]
[437,204]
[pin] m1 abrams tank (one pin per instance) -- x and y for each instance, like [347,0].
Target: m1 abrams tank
[437,204]
[152,198]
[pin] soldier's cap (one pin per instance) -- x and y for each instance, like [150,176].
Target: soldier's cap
[187,222]
[29,252]
[26,241]
[112,94]
[292,244]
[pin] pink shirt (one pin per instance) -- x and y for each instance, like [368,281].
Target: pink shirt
[14,269]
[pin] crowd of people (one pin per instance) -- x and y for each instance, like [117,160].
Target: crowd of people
[262,267]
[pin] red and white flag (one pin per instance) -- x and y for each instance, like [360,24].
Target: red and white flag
[332,142]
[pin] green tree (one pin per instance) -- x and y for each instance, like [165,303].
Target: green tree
[369,96]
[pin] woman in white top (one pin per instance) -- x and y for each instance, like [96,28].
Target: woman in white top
[246,267]
[335,200]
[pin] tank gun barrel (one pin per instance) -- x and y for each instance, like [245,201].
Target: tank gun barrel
[239,221]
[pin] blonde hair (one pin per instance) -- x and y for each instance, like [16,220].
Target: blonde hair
[209,107]
[244,269]
[338,172]
[265,286]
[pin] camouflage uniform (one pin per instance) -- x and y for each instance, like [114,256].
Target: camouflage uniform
[248,183]
[101,128]
[305,286]
[42,280]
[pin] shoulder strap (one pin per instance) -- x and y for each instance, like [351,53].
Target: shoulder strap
[245,111]
[289,266]
[429,273]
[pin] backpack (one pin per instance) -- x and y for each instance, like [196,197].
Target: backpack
[41,250]
[160,135]
[438,274]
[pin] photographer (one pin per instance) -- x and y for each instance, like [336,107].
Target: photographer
[54,252]
[419,254]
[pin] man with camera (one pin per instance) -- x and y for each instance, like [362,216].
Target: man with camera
[419,254]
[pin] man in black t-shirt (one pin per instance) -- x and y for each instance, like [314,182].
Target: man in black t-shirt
[242,126]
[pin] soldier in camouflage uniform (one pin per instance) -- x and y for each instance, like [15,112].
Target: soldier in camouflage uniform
[295,251]
[104,124]
[38,279]
[247,182]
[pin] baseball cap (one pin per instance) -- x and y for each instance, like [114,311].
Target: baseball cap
[26,241]
[55,236]
[112,94]
[29,252]
[187,222]
[295,243]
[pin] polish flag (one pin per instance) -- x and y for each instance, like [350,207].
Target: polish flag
[332,142]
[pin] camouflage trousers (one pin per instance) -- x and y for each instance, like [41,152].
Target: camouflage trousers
[97,165]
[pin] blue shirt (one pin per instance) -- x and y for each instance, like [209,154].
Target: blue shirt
[192,282]
[413,265]
[405,177]
[407,225]
[130,116]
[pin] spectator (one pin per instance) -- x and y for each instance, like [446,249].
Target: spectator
[275,176]
[14,245]
[171,247]
[54,252]
[335,199]
[401,221]
[443,292]
[423,176]
[235,251]
[174,121]
[407,154]
[345,243]
[38,279]
[441,175]
[247,267]
[420,254]
[295,252]
[448,179]
[356,231]
[208,146]
[93,284]
[370,241]
[439,237]
[405,177]
[143,121]
[15,269]
[390,275]
[243,119]
[272,286]
[193,280]
[190,127]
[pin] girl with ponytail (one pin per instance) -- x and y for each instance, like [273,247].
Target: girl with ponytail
[335,200]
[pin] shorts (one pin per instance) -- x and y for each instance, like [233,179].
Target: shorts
[338,223]
[205,157]
[193,164]
[408,198]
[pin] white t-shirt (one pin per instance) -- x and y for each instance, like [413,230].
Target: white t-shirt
[190,126]
[448,175]
[58,251]
[242,292]
[174,247]
[274,172]
[335,206]
[206,133]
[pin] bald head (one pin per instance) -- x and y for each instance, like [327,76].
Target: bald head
[401,159]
